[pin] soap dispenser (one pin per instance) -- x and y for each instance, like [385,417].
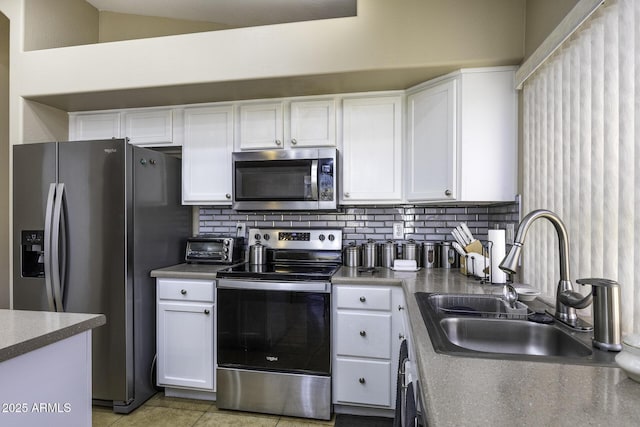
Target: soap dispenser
[606,313]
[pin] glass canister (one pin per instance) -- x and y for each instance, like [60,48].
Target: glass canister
[387,252]
[369,254]
[430,255]
[445,249]
[449,258]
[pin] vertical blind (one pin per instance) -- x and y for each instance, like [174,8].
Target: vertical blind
[581,159]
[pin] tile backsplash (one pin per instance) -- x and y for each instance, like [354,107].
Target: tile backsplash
[422,223]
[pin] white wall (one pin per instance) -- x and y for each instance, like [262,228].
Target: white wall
[383,36]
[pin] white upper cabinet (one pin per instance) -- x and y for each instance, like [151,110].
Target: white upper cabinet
[260,126]
[312,123]
[488,131]
[431,144]
[462,137]
[152,127]
[206,155]
[86,126]
[372,150]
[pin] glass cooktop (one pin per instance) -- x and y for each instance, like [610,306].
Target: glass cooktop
[277,271]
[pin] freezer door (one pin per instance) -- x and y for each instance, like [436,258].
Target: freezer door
[94,174]
[34,170]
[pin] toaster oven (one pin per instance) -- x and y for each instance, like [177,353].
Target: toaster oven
[214,249]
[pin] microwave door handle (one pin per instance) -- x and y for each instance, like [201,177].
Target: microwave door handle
[314,180]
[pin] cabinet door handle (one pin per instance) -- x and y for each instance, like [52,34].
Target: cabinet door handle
[294,141]
[400,336]
[206,311]
[363,333]
[361,380]
[447,193]
[362,299]
[228,196]
[400,308]
[183,292]
[278,142]
[347,195]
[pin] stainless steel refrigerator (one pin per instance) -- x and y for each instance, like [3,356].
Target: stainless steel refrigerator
[91,219]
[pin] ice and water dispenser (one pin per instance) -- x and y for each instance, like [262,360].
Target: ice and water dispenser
[32,253]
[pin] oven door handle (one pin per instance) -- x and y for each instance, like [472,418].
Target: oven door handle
[260,285]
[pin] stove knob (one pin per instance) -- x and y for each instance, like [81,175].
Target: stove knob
[266,237]
[257,236]
[226,250]
[226,242]
[332,237]
[321,237]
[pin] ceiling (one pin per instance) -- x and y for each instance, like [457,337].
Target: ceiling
[237,13]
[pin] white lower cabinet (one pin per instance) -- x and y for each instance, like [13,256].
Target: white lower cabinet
[186,334]
[368,328]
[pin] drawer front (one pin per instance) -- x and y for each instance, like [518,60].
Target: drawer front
[362,381]
[363,334]
[363,297]
[186,290]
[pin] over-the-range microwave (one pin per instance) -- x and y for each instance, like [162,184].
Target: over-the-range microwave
[299,179]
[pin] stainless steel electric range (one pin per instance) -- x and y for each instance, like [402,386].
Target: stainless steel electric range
[273,329]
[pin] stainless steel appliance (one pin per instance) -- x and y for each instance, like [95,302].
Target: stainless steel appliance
[211,249]
[606,313]
[91,219]
[273,326]
[285,179]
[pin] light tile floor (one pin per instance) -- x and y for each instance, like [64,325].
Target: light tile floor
[160,411]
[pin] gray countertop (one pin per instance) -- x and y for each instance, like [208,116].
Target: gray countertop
[463,391]
[189,271]
[25,331]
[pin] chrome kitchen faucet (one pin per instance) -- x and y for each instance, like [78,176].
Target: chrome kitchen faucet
[565,307]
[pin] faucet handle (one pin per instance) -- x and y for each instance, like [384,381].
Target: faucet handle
[574,299]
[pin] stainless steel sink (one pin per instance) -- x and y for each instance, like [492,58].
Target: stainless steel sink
[512,337]
[485,326]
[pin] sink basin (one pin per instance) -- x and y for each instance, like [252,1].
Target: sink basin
[484,326]
[512,337]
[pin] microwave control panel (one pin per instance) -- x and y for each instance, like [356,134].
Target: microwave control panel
[325,180]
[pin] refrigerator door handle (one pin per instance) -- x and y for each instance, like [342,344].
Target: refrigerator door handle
[56,239]
[63,248]
[47,245]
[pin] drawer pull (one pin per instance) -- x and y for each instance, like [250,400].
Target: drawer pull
[206,311]
[363,333]
[362,299]
[400,308]
[361,380]
[183,292]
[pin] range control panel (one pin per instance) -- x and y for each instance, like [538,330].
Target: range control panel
[306,238]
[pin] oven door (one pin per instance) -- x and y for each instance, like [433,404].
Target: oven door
[277,327]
